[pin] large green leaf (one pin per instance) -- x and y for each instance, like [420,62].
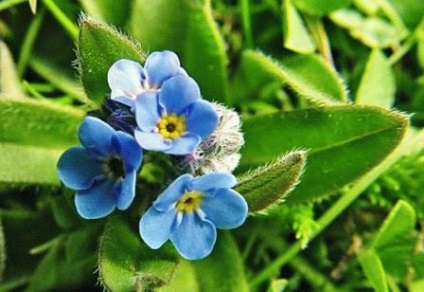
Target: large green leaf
[186,27]
[344,142]
[33,134]
[308,75]
[267,186]
[127,264]
[110,11]
[377,85]
[99,46]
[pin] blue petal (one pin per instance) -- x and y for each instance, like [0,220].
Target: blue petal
[155,227]
[186,144]
[147,111]
[178,93]
[126,191]
[152,141]
[94,134]
[78,168]
[161,66]
[173,193]
[128,149]
[194,238]
[202,119]
[214,180]
[125,80]
[96,202]
[227,209]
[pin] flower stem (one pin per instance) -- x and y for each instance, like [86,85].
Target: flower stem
[317,29]
[29,40]
[10,3]
[408,44]
[61,17]
[342,203]
[246,21]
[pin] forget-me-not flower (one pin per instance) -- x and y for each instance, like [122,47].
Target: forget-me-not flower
[189,211]
[103,171]
[128,79]
[175,119]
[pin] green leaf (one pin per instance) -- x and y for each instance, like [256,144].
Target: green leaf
[394,242]
[33,134]
[374,32]
[296,36]
[344,142]
[9,80]
[22,164]
[99,47]
[223,269]
[417,286]
[399,224]
[70,262]
[33,6]
[58,77]
[320,7]
[38,123]
[377,86]
[127,264]
[2,251]
[308,75]
[373,268]
[23,230]
[278,285]
[187,28]
[267,186]
[420,49]
[109,11]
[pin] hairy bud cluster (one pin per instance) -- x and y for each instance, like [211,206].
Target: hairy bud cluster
[220,152]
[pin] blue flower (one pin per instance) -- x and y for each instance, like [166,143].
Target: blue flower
[189,211]
[103,171]
[175,119]
[128,79]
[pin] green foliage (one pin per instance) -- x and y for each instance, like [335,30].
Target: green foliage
[51,129]
[377,71]
[289,68]
[320,7]
[268,185]
[9,80]
[3,252]
[99,46]
[373,269]
[392,250]
[126,264]
[307,75]
[296,36]
[368,143]
[187,28]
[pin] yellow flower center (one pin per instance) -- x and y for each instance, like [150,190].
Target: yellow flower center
[171,126]
[189,202]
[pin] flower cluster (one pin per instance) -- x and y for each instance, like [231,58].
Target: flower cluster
[159,107]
